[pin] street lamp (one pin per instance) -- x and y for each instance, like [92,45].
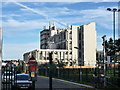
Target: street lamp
[104,61]
[114,10]
[80,65]
[50,62]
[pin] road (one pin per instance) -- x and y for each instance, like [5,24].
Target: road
[42,83]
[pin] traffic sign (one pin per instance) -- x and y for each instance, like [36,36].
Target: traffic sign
[33,64]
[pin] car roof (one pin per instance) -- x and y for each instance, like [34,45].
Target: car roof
[22,74]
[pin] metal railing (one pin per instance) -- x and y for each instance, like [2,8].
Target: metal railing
[73,74]
[8,78]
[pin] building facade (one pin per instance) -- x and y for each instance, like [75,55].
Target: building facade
[42,56]
[77,43]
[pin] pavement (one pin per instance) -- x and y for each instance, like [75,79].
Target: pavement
[42,83]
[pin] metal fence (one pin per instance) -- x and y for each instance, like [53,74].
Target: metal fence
[8,78]
[73,74]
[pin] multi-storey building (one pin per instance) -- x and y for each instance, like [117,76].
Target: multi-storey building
[77,42]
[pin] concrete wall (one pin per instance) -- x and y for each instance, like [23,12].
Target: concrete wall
[75,33]
[90,45]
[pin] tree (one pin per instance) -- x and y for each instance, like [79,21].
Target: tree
[117,45]
[61,64]
[109,47]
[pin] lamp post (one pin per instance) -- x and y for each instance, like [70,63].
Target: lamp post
[50,68]
[114,10]
[104,61]
[80,65]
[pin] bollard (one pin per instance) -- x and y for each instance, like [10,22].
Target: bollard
[9,80]
[50,71]
[6,78]
[33,85]
[11,77]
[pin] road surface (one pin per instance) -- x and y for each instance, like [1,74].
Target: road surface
[42,83]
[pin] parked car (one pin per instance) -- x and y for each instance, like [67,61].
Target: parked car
[22,82]
[9,76]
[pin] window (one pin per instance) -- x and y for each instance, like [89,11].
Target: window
[22,77]
[70,63]
[64,35]
[64,45]
[70,36]
[70,47]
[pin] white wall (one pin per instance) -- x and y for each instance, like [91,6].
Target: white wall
[75,38]
[90,44]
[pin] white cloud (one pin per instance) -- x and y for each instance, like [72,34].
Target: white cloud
[99,15]
[14,25]
[16,51]
[23,35]
[33,10]
[85,15]
[9,16]
[40,13]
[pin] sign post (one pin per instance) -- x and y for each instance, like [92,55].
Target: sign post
[33,71]
[108,59]
[50,71]
[80,69]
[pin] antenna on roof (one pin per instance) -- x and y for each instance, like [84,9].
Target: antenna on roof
[44,27]
[49,23]
[53,23]
[67,26]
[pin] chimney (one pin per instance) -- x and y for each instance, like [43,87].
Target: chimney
[67,26]
[53,28]
[53,23]
[44,27]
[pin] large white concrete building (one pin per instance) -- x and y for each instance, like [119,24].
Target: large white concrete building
[62,43]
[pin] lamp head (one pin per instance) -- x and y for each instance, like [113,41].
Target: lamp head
[103,36]
[76,47]
[118,10]
[109,9]
[114,9]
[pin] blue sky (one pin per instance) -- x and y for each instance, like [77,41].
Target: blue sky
[23,21]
